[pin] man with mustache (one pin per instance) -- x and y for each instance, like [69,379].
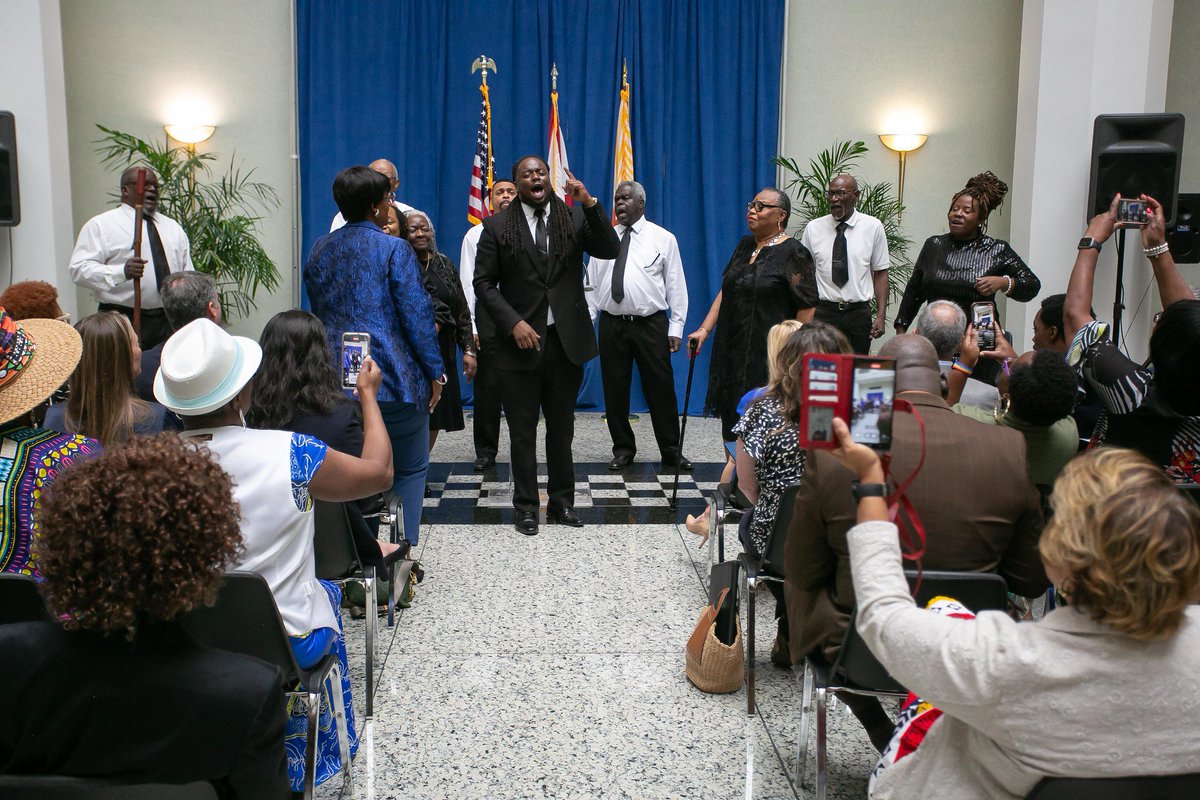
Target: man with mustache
[529,279]
[851,254]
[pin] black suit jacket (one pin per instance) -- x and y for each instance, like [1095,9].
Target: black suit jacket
[151,359]
[160,709]
[522,285]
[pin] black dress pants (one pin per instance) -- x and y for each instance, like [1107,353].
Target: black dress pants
[640,340]
[854,322]
[552,386]
[486,423]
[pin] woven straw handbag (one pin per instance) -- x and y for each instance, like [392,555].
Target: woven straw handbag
[711,666]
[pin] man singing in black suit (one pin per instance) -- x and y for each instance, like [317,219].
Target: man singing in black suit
[529,279]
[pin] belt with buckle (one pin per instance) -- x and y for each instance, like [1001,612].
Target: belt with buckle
[843,305]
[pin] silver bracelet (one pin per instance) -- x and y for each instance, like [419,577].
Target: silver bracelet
[1011,284]
[1157,250]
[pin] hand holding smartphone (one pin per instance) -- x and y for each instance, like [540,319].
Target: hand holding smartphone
[356,347]
[1131,212]
[982,317]
[859,390]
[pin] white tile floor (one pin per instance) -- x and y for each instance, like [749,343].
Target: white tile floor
[552,666]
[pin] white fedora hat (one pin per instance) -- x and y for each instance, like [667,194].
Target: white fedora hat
[203,368]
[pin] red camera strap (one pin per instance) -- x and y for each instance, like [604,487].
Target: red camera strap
[912,530]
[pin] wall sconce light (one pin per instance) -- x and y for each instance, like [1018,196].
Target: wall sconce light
[190,135]
[902,143]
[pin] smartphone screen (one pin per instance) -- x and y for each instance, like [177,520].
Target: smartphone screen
[355,348]
[872,394]
[982,317]
[1131,211]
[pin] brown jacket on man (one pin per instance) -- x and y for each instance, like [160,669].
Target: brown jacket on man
[981,514]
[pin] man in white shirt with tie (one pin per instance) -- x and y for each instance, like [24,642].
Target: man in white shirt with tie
[642,299]
[388,170]
[103,260]
[851,255]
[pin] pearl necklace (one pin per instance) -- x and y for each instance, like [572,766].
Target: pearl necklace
[773,240]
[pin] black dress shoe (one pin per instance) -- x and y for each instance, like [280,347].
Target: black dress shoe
[620,462]
[563,515]
[684,464]
[527,523]
[484,462]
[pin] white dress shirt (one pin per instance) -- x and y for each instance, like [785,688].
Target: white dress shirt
[106,243]
[466,269]
[531,220]
[866,253]
[654,279]
[340,221]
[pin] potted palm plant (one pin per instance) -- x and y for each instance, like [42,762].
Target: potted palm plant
[807,186]
[220,215]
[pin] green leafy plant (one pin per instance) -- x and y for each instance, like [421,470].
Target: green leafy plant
[878,200]
[220,216]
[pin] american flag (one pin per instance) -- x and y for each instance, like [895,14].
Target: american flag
[484,165]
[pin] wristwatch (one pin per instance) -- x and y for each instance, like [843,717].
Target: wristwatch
[1087,242]
[861,490]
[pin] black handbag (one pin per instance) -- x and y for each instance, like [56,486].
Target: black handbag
[725,576]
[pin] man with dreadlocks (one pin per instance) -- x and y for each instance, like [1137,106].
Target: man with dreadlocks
[529,279]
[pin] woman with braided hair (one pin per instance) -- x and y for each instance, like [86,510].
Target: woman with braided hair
[966,265]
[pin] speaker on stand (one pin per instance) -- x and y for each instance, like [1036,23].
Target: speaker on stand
[1184,236]
[1134,154]
[10,197]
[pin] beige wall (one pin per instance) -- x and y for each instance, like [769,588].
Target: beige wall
[855,70]
[136,64]
[1183,87]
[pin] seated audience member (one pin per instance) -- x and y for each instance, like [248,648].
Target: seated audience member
[942,323]
[1154,410]
[973,496]
[38,356]
[776,336]
[1035,399]
[114,686]
[1049,334]
[769,458]
[1023,701]
[186,296]
[102,404]
[298,389]
[206,377]
[32,300]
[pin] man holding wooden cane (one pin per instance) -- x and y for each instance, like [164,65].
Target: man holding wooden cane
[105,262]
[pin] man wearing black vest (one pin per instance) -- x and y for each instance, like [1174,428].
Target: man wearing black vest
[529,279]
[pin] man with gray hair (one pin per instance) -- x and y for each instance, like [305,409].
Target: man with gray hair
[632,294]
[186,296]
[943,323]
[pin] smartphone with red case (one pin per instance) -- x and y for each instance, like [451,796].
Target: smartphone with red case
[858,389]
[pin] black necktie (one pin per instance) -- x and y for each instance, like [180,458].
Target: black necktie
[161,268]
[841,272]
[618,281]
[539,237]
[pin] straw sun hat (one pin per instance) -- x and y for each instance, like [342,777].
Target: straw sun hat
[203,368]
[36,357]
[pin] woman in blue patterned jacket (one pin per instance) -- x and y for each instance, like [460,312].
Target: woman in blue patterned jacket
[359,279]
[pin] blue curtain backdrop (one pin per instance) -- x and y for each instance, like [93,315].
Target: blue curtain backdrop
[392,79]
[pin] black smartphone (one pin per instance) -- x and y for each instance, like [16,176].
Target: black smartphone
[355,349]
[982,317]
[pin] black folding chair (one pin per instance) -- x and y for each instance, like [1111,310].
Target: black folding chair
[1150,787]
[767,568]
[246,620]
[59,787]
[20,600]
[857,671]
[338,561]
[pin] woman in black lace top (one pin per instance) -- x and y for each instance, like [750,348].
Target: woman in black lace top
[769,278]
[453,317]
[966,265]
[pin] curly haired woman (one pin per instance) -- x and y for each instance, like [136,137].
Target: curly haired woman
[115,686]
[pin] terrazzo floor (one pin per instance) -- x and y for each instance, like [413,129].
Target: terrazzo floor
[552,666]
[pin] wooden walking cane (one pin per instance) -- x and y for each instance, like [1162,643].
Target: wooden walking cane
[139,214]
[693,348]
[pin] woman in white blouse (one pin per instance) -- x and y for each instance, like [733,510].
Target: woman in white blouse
[1104,687]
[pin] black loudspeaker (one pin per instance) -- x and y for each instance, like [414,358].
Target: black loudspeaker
[1136,154]
[10,198]
[1183,236]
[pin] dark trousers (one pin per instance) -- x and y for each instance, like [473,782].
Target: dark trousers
[854,322]
[552,386]
[486,423]
[155,328]
[641,340]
